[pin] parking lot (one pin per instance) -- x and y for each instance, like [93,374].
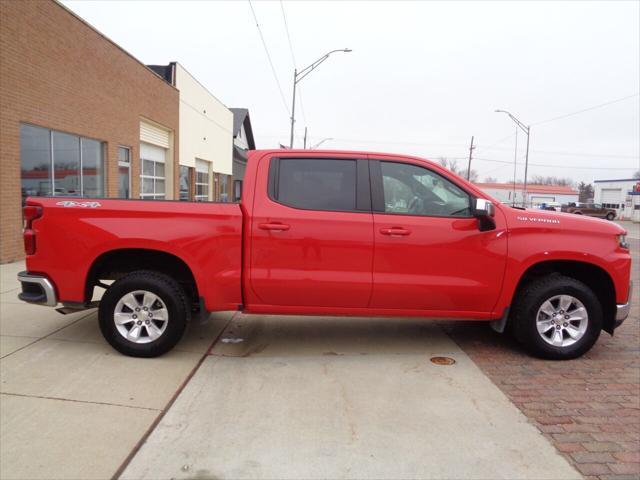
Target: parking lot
[273,397]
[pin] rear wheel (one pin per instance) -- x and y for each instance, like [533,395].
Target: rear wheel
[143,314]
[557,317]
[611,216]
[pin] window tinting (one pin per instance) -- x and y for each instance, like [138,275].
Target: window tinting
[413,190]
[317,184]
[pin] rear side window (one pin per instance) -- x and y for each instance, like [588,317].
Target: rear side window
[314,184]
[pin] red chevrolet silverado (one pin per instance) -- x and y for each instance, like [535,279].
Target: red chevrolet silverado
[330,233]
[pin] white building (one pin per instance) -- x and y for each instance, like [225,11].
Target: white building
[536,194]
[205,140]
[621,194]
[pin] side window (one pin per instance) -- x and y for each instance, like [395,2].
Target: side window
[413,190]
[315,184]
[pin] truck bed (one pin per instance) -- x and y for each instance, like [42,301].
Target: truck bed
[206,236]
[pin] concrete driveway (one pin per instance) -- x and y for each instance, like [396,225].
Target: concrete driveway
[274,398]
[342,398]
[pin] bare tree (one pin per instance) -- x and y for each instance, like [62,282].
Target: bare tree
[452,165]
[490,180]
[637,175]
[550,180]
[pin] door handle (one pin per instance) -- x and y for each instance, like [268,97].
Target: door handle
[395,231]
[275,227]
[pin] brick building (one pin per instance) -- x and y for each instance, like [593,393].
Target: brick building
[79,116]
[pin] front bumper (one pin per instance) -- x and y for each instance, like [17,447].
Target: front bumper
[37,289]
[622,310]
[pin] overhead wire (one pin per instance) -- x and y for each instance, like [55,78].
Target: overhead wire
[293,60]
[560,117]
[266,49]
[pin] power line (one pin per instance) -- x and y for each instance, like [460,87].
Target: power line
[286,27]
[554,166]
[587,109]
[293,58]
[479,147]
[273,70]
[571,154]
[496,142]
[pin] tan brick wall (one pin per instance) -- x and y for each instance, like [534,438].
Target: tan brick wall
[59,73]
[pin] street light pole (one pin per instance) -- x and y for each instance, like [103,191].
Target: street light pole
[321,142]
[298,76]
[526,129]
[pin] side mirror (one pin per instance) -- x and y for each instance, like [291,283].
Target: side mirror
[484,209]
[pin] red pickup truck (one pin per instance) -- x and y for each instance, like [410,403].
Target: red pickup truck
[330,233]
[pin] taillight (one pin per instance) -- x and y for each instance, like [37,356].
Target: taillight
[29,237]
[31,212]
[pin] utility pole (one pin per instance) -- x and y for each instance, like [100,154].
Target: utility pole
[526,129]
[293,106]
[515,165]
[305,139]
[526,167]
[470,153]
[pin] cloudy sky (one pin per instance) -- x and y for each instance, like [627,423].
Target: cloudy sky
[423,77]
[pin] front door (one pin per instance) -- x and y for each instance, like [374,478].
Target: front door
[429,252]
[312,235]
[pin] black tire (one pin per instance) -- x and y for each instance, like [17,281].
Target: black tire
[577,213]
[610,216]
[167,290]
[528,302]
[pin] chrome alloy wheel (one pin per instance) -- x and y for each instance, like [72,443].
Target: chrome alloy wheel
[141,316]
[562,320]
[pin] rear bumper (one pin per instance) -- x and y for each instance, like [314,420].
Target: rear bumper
[37,289]
[622,310]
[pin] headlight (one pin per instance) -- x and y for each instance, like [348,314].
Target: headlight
[622,241]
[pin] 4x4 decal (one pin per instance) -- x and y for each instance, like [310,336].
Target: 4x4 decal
[71,203]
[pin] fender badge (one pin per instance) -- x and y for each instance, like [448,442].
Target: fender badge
[537,219]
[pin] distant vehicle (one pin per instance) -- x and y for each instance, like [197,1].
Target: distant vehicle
[552,206]
[590,209]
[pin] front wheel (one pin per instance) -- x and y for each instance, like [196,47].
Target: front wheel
[143,314]
[611,216]
[557,317]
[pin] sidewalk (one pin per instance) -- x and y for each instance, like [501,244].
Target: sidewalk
[70,406]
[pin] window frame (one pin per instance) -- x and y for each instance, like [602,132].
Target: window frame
[377,190]
[155,195]
[52,163]
[207,183]
[363,185]
[127,164]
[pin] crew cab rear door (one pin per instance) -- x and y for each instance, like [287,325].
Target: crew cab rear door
[430,254]
[311,232]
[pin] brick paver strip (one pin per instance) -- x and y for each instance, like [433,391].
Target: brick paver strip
[589,408]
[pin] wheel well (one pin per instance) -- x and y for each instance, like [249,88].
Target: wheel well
[117,263]
[591,275]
